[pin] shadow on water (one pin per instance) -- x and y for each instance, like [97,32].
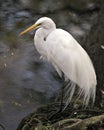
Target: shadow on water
[26,82]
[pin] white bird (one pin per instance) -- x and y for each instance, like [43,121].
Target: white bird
[58,47]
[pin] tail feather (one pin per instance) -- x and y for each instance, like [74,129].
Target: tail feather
[87,93]
[69,92]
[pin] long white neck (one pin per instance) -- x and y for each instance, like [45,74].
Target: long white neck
[40,38]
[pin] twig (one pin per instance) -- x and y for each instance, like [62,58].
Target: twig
[2,127]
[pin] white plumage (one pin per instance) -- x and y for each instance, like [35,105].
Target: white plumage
[66,55]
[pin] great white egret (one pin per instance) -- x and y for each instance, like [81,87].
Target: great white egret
[67,56]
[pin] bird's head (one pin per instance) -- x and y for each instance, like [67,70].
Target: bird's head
[43,22]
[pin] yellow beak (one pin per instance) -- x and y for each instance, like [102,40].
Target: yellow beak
[29,29]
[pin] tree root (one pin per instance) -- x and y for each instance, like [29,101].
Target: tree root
[70,119]
[78,123]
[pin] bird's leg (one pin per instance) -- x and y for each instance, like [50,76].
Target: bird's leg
[62,92]
[61,101]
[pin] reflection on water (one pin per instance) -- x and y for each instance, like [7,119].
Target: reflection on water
[24,85]
[26,82]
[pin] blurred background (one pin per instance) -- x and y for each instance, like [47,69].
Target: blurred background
[26,82]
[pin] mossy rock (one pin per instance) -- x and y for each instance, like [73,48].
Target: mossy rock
[70,119]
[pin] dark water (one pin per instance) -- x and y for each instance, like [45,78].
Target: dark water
[26,82]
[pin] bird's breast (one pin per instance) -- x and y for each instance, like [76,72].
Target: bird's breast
[41,47]
[42,43]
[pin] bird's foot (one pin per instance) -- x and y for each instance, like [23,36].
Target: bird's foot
[55,115]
